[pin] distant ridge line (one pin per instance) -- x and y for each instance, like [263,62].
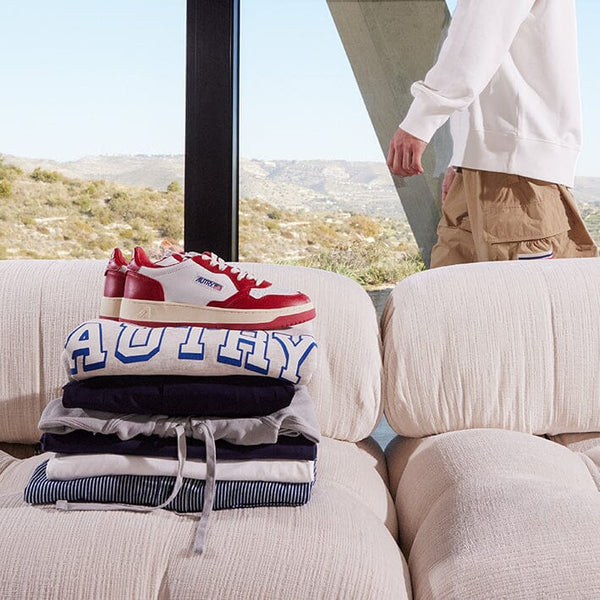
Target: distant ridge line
[312,184]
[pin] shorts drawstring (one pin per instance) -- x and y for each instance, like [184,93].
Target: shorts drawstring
[181,457]
[209,489]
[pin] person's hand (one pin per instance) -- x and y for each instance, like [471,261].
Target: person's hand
[447,182]
[404,155]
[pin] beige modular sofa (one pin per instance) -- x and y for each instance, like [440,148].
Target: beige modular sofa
[342,544]
[492,374]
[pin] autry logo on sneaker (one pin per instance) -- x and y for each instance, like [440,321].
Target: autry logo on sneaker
[209,283]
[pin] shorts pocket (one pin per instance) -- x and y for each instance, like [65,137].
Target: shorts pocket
[520,209]
[454,209]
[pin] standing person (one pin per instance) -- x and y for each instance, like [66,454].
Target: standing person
[507,76]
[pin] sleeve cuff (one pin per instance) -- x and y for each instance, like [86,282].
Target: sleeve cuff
[421,120]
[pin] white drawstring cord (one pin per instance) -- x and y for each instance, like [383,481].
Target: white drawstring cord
[209,488]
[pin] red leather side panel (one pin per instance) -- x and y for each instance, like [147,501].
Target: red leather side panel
[114,284]
[140,287]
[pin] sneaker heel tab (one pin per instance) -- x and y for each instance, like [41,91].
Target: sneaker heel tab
[118,255]
[140,258]
[118,258]
[116,261]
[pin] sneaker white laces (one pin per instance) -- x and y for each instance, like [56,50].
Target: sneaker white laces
[216,261]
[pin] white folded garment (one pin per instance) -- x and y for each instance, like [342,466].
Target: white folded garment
[76,466]
[99,347]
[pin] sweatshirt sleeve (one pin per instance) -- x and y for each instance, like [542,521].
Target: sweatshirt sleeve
[479,38]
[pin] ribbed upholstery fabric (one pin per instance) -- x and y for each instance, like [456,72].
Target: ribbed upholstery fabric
[336,546]
[42,301]
[341,544]
[501,345]
[497,514]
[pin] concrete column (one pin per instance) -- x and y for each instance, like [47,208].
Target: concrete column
[391,44]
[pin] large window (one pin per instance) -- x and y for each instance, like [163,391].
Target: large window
[92,116]
[92,119]
[314,186]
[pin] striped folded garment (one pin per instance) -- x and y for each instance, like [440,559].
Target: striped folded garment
[148,490]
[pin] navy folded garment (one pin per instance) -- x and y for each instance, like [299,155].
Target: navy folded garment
[180,396]
[85,442]
[147,490]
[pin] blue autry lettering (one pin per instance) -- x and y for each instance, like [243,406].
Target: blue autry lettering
[194,349]
[232,350]
[296,352]
[85,343]
[138,344]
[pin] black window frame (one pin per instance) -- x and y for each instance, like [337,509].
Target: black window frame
[211,195]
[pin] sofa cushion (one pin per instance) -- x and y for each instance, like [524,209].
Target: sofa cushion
[346,386]
[501,345]
[42,301]
[339,545]
[496,514]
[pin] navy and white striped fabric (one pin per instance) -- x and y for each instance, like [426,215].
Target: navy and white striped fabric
[153,490]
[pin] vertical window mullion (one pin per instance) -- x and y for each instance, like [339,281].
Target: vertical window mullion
[211,132]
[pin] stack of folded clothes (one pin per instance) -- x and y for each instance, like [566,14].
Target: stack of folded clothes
[191,401]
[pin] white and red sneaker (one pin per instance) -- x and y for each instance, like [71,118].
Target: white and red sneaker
[203,290]
[115,275]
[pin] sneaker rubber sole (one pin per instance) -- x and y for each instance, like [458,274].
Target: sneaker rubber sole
[110,308]
[172,314]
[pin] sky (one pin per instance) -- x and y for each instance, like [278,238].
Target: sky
[108,77]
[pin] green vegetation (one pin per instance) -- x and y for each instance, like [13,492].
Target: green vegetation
[8,172]
[44,214]
[174,187]
[370,265]
[5,188]
[373,251]
[46,176]
[47,215]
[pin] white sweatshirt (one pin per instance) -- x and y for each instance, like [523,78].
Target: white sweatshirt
[508,76]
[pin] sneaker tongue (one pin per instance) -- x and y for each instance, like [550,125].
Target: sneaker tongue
[217,264]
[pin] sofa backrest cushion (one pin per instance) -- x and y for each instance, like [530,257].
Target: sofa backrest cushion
[507,345]
[346,385]
[42,301]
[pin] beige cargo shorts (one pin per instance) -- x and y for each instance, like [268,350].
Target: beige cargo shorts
[496,216]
